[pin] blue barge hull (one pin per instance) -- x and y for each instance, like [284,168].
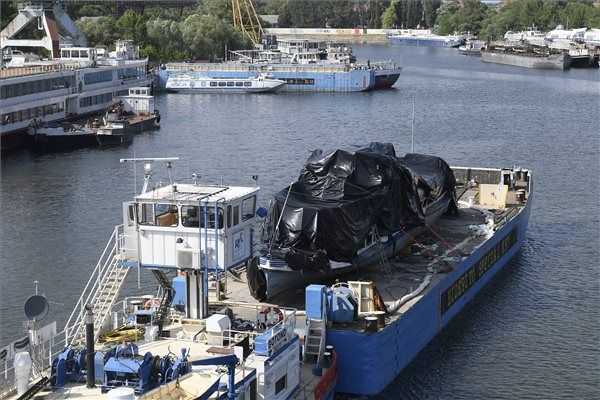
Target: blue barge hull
[298,78]
[369,362]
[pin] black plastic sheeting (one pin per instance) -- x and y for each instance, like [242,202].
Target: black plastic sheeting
[340,196]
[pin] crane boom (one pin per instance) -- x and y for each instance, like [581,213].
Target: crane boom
[246,20]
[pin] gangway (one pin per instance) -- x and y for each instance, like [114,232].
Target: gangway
[101,290]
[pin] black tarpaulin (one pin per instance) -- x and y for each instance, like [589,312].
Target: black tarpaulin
[340,197]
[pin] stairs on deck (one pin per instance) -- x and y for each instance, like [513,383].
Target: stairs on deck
[101,291]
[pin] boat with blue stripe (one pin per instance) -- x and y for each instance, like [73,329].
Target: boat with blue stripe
[207,338]
[298,77]
[381,309]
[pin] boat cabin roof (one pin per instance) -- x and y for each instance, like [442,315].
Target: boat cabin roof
[194,193]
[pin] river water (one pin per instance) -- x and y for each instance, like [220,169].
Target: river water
[533,333]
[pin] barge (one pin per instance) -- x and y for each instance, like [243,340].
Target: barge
[303,65]
[207,236]
[527,57]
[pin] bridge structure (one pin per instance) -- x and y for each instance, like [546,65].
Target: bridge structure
[118,6]
[56,28]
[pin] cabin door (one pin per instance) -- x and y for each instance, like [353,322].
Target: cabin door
[129,240]
[71,106]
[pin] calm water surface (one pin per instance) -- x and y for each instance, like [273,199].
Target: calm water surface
[533,333]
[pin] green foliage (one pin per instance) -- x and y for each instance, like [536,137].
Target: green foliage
[101,31]
[220,9]
[465,17]
[516,15]
[206,36]
[389,17]
[164,35]
[410,13]
[8,10]
[132,26]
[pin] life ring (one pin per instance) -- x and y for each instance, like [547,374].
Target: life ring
[268,310]
[152,303]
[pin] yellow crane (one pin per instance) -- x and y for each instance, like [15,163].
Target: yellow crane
[246,20]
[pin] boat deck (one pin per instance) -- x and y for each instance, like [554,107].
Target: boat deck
[435,253]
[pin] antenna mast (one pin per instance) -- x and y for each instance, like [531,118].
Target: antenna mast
[412,127]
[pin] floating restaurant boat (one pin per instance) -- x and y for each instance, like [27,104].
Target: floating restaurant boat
[205,84]
[203,333]
[77,83]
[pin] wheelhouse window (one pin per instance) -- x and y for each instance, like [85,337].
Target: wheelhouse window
[189,216]
[236,215]
[166,215]
[229,216]
[158,214]
[248,207]
[191,219]
[146,214]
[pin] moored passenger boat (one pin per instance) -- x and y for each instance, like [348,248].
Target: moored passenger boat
[78,84]
[205,84]
[425,37]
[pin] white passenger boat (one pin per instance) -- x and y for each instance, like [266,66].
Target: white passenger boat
[205,84]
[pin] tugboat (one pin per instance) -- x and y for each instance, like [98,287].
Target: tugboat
[131,114]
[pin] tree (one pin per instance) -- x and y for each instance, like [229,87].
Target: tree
[132,26]
[165,40]
[206,37]
[8,10]
[99,32]
[389,18]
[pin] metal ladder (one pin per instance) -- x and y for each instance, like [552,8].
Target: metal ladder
[316,334]
[314,342]
[165,302]
[383,261]
[100,292]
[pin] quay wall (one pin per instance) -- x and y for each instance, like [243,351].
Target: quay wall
[351,35]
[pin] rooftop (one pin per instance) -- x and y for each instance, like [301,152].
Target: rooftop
[192,193]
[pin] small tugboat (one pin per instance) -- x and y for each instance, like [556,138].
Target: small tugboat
[131,114]
[471,48]
[205,84]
